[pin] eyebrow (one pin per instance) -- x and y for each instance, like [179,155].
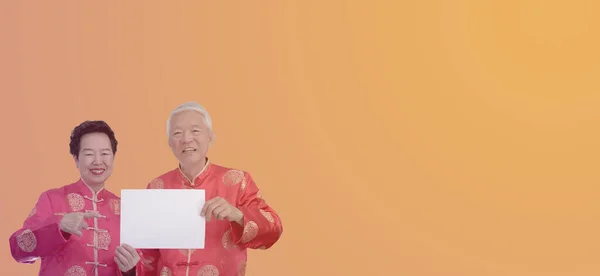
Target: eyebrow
[92,149]
[178,128]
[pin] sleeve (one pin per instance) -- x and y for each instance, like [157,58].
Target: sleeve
[262,226]
[131,272]
[40,235]
[148,264]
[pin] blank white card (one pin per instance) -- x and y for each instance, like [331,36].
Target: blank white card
[163,218]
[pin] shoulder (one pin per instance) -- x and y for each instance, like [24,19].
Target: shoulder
[60,191]
[50,197]
[229,175]
[223,170]
[159,181]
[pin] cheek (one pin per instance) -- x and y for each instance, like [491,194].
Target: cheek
[108,161]
[203,140]
[175,144]
[83,162]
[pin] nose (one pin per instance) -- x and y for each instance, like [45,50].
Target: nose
[187,136]
[97,159]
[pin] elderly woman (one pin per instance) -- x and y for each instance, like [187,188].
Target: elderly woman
[74,229]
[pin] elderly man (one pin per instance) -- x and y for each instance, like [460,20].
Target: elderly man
[74,229]
[237,216]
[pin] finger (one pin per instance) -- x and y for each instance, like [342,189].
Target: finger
[77,232]
[205,210]
[129,249]
[119,253]
[119,263]
[205,207]
[125,253]
[92,214]
[83,225]
[210,210]
[219,209]
[220,212]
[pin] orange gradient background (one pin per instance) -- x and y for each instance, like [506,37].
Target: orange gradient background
[412,138]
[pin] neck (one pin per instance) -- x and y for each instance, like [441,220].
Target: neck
[97,188]
[191,171]
[94,187]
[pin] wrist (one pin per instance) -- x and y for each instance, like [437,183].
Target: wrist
[130,272]
[239,217]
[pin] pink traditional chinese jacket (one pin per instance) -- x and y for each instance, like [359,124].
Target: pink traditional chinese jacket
[226,242]
[63,254]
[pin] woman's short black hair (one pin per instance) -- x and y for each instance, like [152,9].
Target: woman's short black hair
[91,127]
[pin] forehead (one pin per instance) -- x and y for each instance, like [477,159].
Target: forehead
[96,140]
[188,118]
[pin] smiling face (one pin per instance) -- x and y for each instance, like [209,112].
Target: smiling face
[189,138]
[95,159]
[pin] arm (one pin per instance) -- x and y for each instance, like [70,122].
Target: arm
[260,226]
[40,235]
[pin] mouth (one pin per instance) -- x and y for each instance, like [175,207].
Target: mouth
[97,171]
[188,150]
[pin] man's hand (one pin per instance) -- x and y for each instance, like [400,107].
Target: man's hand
[126,257]
[220,209]
[74,223]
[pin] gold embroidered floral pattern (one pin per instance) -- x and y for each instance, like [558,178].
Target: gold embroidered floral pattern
[267,215]
[208,270]
[148,261]
[157,183]
[27,241]
[234,177]
[250,231]
[75,271]
[115,206]
[165,271]
[227,240]
[103,240]
[75,202]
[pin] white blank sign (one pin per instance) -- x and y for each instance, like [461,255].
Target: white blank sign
[157,218]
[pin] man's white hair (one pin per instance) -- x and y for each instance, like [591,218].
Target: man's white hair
[190,106]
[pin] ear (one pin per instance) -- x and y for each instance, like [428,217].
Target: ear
[212,138]
[76,161]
